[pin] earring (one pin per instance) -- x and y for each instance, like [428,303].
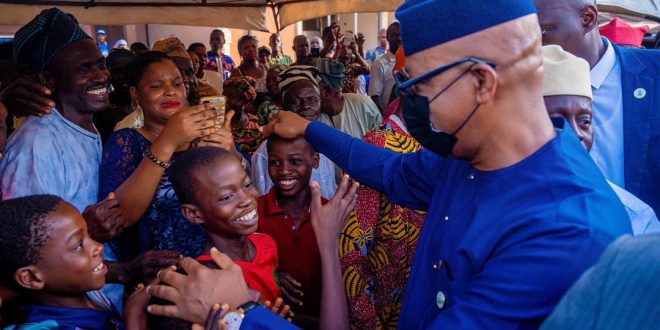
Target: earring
[138,121]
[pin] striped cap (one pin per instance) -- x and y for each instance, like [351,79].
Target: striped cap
[299,72]
[38,42]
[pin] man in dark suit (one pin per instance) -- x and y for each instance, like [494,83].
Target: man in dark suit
[626,88]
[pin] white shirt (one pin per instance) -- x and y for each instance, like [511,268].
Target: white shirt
[358,116]
[642,218]
[608,150]
[381,80]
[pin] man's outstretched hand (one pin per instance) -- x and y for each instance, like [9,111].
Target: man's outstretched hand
[287,124]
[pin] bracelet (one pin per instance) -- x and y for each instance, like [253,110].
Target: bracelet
[147,153]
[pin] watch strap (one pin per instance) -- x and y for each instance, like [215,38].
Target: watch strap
[246,307]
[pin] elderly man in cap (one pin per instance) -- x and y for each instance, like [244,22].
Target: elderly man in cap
[350,113]
[300,94]
[567,94]
[625,82]
[516,209]
[60,153]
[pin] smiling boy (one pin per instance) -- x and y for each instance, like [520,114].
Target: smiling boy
[284,214]
[215,191]
[49,258]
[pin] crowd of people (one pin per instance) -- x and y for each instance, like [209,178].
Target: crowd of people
[489,165]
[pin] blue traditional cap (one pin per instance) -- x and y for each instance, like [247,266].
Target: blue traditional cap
[100,31]
[39,41]
[427,23]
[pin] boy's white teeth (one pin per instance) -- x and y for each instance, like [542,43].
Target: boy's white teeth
[287,182]
[248,217]
[99,91]
[98,268]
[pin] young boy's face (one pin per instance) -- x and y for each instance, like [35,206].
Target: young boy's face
[290,164]
[71,261]
[225,199]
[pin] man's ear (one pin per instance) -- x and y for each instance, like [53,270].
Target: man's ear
[192,213]
[589,18]
[134,95]
[315,160]
[487,82]
[30,277]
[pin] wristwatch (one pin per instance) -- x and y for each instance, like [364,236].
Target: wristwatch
[234,319]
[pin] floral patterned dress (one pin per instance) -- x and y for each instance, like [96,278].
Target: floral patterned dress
[163,226]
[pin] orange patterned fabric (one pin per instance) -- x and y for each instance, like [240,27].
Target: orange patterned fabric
[378,243]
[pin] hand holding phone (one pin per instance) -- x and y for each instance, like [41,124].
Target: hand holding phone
[219,106]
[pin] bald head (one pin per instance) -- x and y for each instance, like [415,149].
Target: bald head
[301,48]
[573,25]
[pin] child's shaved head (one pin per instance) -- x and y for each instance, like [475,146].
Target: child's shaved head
[24,231]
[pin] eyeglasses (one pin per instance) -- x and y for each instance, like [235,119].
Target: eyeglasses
[300,102]
[406,86]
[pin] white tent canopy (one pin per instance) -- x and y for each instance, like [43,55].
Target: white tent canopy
[240,14]
[645,9]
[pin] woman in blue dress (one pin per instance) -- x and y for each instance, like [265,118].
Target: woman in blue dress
[136,160]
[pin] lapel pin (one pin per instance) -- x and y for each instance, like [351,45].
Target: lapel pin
[639,93]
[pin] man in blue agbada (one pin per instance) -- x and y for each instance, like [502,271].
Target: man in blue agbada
[516,210]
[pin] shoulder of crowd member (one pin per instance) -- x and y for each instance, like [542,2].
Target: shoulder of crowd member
[124,136]
[37,131]
[368,105]
[648,57]
[32,154]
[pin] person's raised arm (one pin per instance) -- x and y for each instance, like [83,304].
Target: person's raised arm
[364,67]
[407,180]
[328,221]
[137,191]
[28,95]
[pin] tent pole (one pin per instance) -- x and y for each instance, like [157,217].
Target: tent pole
[276,15]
